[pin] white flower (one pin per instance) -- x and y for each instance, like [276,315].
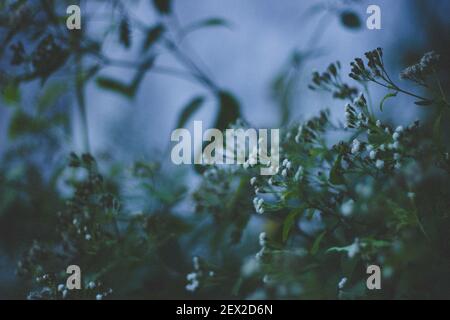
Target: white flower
[196,263]
[284,172]
[369,147]
[270,182]
[99,296]
[211,273]
[383,147]
[65,293]
[91,285]
[60,287]
[355,146]
[192,286]
[258,204]
[387,130]
[378,123]
[285,161]
[347,207]
[379,164]
[288,165]
[396,156]
[373,154]
[399,129]
[395,136]
[88,237]
[191,276]
[262,239]
[411,195]
[396,145]
[397,165]
[342,283]
[252,181]
[267,279]
[353,249]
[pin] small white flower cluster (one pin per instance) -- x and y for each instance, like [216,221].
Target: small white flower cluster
[342,283]
[194,277]
[286,165]
[420,70]
[82,229]
[354,118]
[258,203]
[100,296]
[263,242]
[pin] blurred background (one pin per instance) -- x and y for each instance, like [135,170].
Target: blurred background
[246,50]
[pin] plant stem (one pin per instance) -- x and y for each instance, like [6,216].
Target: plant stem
[81,103]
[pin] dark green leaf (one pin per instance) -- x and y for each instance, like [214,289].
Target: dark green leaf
[163,6]
[124,33]
[350,20]
[289,223]
[114,85]
[424,102]
[316,245]
[11,94]
[153,35]
[229,110]
[189,110]
[336,176]
[389,95]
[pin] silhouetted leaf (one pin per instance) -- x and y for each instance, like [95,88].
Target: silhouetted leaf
[114,85]
[124,32]
[189,110]
[210,22]
[229,110]
[424,102]
[350,20]
[163,6]
[153,35]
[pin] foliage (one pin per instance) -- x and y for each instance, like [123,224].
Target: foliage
[344,197]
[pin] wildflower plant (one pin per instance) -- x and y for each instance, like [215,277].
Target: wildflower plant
[344,196]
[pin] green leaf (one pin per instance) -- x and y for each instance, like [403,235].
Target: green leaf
[189,110]
[153,35]
[316,245]
[289,223]
[11,94]
[51,95]
[350,19]
[389,95]
[163,6]
[336,176]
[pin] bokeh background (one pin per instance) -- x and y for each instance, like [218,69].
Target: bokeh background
[258,43]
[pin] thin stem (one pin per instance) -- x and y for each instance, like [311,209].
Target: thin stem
[81,102]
